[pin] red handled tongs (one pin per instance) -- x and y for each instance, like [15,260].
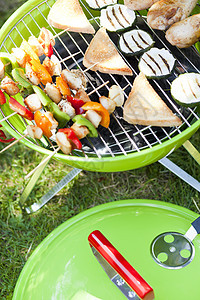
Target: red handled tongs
[121,273]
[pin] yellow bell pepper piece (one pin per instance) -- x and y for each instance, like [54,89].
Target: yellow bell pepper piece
[98,107]
[29,51]
[41,72]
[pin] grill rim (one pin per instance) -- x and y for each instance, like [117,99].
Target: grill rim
[119,162]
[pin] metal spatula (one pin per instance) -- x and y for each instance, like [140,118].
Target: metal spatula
[120,272]
[173,250]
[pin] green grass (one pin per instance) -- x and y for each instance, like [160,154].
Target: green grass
[21,233]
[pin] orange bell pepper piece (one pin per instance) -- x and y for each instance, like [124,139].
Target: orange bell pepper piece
[98,107]
[63,86]
[29,51]
[43,122]
[41,71]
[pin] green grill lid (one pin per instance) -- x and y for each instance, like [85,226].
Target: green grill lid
[63,266]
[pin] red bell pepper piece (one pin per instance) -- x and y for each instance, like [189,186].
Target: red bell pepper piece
[20,109]
[76,103]
[72,137]
[50,50]
[2,98]
[3,138]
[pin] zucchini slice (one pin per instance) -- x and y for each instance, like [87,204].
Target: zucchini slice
[117,17]
[99,4]
[185,89]
[135,42]
[156,63]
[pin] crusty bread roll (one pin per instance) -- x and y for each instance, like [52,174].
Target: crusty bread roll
[139,4]
[68,14]
[104,54]
[145,107]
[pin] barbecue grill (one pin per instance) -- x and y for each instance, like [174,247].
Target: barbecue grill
[122,146]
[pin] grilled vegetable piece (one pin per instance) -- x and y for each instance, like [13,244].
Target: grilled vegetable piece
[63,87]
[46,122]
[135,42]
[61,116]
[76,103]
[116,94]
[20,77]
[164,13]
[185,33]
[139,5]
[102,55]
[156,63]
[20,109]
[3,138]
[33,102]
[41,71]
[2,98]
[145,107]
[82,121]
[99,4]
[9,86]
[117,17]
[185,89]
[42,96]
[29,51]
[9,61]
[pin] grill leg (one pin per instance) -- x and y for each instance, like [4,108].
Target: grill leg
[37,205]
[180,173]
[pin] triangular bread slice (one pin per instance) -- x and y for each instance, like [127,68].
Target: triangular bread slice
[145,107]
[103,56]
[68,14]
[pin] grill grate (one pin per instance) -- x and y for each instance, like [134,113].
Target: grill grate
[120,137]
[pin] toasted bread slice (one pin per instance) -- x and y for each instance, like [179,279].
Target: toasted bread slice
[104,55]
[145,107]
[68,14]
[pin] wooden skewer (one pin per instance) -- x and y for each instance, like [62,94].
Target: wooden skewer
[13,143]
[61,32]
[7,117]
[99,87]
[70,56]
[42,162]
[89,68]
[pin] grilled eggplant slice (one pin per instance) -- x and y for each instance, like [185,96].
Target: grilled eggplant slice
[135,42]
[117,18]
[99,4]
[185,89]
[156,63]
